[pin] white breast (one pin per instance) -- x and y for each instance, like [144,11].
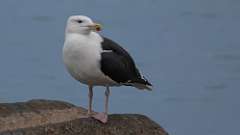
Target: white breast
[81,55]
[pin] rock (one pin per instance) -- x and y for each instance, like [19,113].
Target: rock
[47,117]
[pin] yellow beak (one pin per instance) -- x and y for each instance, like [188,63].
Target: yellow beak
[96,27]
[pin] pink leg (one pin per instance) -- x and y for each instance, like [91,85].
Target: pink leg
[103,117]
[90,96]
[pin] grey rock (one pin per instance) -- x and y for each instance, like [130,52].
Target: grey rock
[47,117]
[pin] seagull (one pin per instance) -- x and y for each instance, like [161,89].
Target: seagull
[95,60]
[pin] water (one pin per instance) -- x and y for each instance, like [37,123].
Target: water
[189,50]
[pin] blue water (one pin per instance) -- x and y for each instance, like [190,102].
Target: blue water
[189,50]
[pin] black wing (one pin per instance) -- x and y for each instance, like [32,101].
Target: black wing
[118,64]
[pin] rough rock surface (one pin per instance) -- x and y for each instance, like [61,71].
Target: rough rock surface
[47,117]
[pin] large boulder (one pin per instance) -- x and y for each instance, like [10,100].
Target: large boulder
[47,117]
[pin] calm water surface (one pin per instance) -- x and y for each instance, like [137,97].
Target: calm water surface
[189,50]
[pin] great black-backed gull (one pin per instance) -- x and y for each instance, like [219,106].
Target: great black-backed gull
[98,61]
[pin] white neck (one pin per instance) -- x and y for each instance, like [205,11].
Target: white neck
[91,35]
[82,32]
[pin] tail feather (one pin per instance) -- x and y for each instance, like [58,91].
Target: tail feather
[142,86]
[140,83]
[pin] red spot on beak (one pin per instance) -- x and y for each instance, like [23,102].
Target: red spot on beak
[98,27]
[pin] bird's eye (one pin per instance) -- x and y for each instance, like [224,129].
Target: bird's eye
[79,21]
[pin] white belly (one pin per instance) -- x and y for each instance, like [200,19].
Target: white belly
[83,60]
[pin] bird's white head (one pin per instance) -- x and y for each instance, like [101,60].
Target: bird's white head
[81,24]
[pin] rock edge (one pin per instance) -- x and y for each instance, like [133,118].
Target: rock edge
[43,117]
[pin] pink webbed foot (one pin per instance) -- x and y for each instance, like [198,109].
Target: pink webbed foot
[102,117]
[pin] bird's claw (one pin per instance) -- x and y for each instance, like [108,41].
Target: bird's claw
[102,117]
